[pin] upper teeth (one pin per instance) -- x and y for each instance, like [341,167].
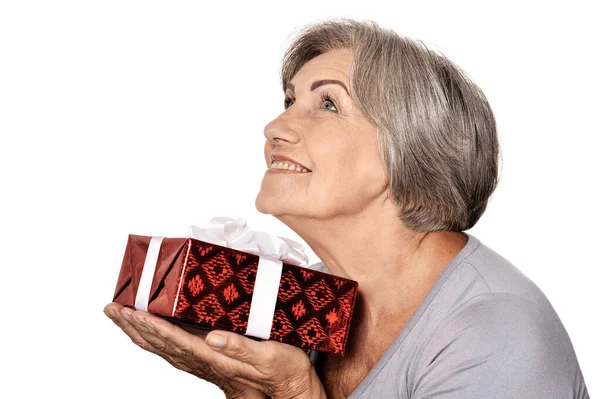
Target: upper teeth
[288,166]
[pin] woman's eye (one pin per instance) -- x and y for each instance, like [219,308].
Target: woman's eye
[334,109]
[325,98]
[328,101]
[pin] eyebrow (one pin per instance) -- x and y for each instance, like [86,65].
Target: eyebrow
[319,83]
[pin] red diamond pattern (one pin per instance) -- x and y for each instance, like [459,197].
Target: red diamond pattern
[239,316]
[209,309]
[319,295]
[247,277]
[195,285]
[317,317]
[337,338]
[312,333]
[281,326]
[288,287]
[217,270]
[346,303]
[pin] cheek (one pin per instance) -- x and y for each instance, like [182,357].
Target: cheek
[365,174]
[349,180]
[349,162]
[268,148]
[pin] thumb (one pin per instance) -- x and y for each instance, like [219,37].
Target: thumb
[236,346]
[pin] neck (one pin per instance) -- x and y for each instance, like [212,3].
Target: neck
[392,264]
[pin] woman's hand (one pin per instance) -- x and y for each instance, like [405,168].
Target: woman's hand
[240,367]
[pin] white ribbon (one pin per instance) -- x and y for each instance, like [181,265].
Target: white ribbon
[264,298]
[143,293]
[272,250]
[235,234]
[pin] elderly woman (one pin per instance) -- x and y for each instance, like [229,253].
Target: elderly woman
[384,155]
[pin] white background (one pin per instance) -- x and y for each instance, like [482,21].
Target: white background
[142,117]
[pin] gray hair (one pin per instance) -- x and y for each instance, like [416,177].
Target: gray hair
[435,128]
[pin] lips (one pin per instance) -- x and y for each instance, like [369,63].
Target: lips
[281,157]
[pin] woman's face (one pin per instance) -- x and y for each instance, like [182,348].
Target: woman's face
[321,129]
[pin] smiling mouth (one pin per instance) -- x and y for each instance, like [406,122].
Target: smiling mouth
[285,171]
[286,166]
[281,161]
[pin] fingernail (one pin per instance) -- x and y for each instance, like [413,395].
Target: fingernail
[216,341]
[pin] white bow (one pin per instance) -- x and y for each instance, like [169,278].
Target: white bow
[235,234]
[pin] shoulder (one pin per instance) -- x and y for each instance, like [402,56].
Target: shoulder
[501,275]
[499,345]
[484,278]
[505,317]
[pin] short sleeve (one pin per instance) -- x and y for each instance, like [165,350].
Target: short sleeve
[498,346]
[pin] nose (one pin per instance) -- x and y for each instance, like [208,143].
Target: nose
[282,130]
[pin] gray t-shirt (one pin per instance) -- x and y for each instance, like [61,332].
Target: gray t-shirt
[484,330]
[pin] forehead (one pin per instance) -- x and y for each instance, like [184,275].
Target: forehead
[334,64]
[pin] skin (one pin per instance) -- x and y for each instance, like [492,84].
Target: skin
[242,368]
[342,210]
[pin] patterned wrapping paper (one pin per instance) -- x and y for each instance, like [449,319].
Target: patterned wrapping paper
[211,287]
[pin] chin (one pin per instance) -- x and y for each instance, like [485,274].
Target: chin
[273,206]
[258,204]
[268,205]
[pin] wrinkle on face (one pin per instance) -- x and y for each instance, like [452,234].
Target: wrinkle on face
[340,147]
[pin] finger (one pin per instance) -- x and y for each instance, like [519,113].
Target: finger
[178,342]
[254,362]
[255,383]
[246,349]
[121,321]
[184,350]
[112,309]
[152,335]
[164,338]
[178,338]
[258,363]
[170,339]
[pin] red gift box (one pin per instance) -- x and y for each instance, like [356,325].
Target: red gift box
[211,286]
